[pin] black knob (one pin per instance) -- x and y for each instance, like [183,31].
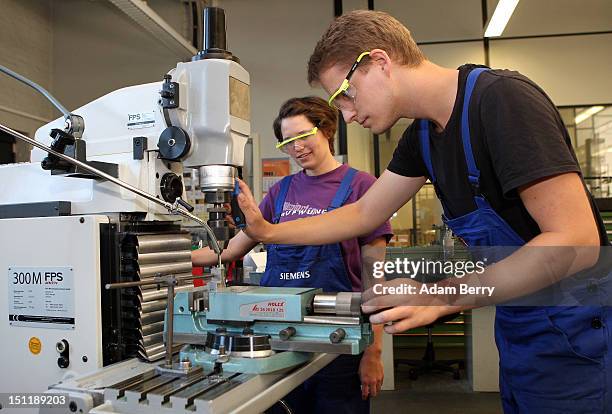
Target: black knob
[173,144]
[46,164]
[286,333]
[221,330]
[337,336]
[63,362]
[61,346]
[247,331]
[171,187]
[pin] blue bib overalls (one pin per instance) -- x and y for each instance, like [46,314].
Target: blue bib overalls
[553,359]
[336,388]
[318,266]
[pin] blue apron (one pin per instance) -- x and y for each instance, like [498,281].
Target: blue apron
[319,266]
[336,388]
[552,359]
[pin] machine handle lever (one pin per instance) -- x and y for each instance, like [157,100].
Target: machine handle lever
[185,204]
[237,213]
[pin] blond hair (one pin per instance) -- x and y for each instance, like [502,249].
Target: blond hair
[359,31]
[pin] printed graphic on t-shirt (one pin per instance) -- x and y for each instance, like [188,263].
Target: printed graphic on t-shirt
[291,209]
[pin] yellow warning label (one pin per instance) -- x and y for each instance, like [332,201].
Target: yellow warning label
[35,345]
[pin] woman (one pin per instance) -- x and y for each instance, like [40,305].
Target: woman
[305,129]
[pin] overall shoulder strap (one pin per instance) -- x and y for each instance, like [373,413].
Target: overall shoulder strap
[425,147]
[344,190]
[473,171]
[280,199]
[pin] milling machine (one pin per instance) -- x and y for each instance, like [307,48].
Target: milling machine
[97,207]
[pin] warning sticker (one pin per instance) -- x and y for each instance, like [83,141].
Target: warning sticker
[41,297]
[35,345]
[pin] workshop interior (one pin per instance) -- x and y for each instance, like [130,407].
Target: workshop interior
[124,126]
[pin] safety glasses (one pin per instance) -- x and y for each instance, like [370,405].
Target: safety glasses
[284,147]
[345,94]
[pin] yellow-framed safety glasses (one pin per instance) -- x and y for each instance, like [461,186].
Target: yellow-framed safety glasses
[285,148]
[335,100]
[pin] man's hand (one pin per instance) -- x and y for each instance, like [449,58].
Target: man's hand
[257,227]
[408,317]
[371,372]
[423,309]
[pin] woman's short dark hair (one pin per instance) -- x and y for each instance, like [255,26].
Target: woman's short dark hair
[316,110]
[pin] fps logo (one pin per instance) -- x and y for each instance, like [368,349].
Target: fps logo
[37,278]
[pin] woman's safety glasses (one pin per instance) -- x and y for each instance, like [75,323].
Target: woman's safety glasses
[345,95]
[287,145]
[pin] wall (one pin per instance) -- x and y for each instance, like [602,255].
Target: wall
[26,48]
[274,39]
[102,49]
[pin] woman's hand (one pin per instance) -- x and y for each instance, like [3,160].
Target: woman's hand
[257,227]
[371,372]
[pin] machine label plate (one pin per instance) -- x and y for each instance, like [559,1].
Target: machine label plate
[141,120]
[41,297]
[273,308]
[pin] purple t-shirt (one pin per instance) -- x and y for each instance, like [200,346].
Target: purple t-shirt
[312,195]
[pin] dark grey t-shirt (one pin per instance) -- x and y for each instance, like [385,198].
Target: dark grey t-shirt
[517,137]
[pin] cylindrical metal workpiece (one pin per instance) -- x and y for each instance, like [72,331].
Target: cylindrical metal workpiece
[325,303]
[164,257]
[217,177]
[155,243]
[341,303]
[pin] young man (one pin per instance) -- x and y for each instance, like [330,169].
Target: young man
[500,158]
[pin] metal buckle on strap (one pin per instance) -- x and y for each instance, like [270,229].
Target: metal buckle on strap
[476,189]
[475,184]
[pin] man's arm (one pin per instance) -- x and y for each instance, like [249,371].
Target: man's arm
[560,206]
[237,247]
[385,197]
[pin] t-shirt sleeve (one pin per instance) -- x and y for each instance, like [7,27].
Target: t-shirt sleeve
[524,134]
[407,160]
[361,183]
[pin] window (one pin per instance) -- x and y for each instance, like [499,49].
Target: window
[590,128]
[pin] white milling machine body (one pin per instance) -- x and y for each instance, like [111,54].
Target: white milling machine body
[63,237]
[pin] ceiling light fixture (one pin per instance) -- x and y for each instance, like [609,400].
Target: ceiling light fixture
[587,113]
[500,17]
